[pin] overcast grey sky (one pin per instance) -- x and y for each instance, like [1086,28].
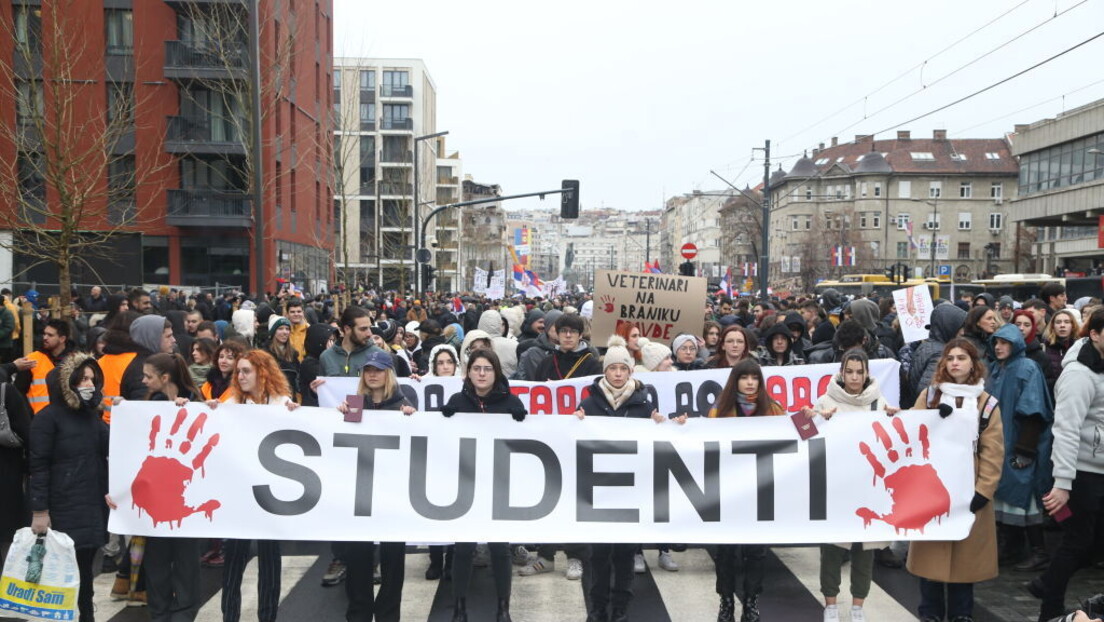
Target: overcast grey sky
[640,103]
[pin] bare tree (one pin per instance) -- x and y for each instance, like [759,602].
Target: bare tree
[69,185]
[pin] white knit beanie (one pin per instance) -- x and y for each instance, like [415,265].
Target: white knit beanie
[617,353]
[652,353]
[681,340]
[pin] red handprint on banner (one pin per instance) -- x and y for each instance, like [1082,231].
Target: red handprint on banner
[917,492]
[159,487]
[607,303]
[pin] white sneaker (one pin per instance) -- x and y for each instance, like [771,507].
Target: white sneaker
[521,556]
[667,562]
[537,566]
[638,563]
[574,570]
[831,613]
[857,614]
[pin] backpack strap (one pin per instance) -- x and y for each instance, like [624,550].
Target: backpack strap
[986,413]
[571,372]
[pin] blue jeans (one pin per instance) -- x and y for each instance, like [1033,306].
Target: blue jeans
[959,599]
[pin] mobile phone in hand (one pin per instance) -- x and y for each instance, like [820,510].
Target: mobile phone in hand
[356,408]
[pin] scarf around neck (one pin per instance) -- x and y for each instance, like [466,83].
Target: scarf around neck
[951,389]
[616,397]
[747,404]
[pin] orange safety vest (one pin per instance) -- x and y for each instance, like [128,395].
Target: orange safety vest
[113,366]
[208,395]
[38,395]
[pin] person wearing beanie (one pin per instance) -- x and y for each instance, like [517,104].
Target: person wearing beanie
[279,346]
[430,332]
[531,353]
[685,349]
[654,356]
[614,394]
[383,336]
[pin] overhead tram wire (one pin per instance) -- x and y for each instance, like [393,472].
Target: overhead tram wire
[1035,105]
[908,71]
[925,87]
[993,85]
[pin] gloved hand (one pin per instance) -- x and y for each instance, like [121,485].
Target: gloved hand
[40,523]
[978,502]
[945,410]
[448,412]
[518,416]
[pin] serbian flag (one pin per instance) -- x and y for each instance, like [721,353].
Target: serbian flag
[519,272]
[843,256]
[457,305]
[726,283]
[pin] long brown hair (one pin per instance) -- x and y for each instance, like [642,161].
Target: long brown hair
[725,406]
[173,366]
[977,372]
[719,360]
[270,380]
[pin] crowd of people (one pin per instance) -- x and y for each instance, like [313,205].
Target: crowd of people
[1029,372]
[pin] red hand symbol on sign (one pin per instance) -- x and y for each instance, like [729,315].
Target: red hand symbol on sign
[607,304]
[917,492]
[159,487]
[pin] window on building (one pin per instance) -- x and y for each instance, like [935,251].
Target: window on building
[337,79]
[121,184]
[996,221]
[878,189]
[32,186]
[808,222]
[839,192]
[994,250]
[959,157]
[922,156]
[965,221]
[904,189]
[808,193]
[902,222]
[992,156]
[120,102]
[367,112]
[367,80]
[996,190]
[30,103]
[120,32]
[794,223]
[965,190]
[934,221]
[935,189]
[367,149]
[28,27]
[902,250]
[863,189]
[395,82]
[963,250]
[395,115]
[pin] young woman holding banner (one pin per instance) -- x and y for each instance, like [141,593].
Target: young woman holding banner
[744,395]
[736,344]
[485,390]
[852,391]
[257,379]
[443,362]
[615,394]
[380,387]
[948,570]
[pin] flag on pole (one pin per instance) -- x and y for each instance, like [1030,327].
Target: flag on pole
[843,256]
[912,240]
[726,282]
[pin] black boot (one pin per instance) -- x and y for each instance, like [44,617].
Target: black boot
[434,571]
[1037,561]
[751,609]
[727,612]
[619,615]
[503,611]
[597,614]
[460,610]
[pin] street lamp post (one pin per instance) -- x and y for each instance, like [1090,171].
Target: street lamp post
[417,210]
[935,227]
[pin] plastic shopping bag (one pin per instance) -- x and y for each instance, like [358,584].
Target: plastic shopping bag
[40,577]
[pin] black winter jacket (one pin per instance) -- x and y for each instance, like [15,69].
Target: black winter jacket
[68,461]
[499,400]
[636,407]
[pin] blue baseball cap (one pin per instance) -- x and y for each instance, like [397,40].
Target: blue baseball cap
[379,360]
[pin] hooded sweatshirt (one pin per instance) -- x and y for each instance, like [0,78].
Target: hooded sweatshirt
[1026,415]
[493,324]
[433,357]
[318,335]
[146,333]
[1079,414]
[946,320]
[766,354]
[527,332]
[243,322]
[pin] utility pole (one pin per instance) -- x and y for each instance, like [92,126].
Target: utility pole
[647,240]
[259,280]
[764,255]
[418,208]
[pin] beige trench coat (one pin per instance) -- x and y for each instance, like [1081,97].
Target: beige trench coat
[975,558]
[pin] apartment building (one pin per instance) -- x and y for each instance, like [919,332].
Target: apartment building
[1061,189]
[936,204]
[384,110]
[177,188]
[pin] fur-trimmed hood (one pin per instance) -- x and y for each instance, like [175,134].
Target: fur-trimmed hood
[60,386]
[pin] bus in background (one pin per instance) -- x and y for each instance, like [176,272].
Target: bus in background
[1020,287]
[857,285]
[1084,287]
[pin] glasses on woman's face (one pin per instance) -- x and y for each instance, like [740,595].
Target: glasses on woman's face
[479,369]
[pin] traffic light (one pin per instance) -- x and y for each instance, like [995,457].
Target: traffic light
[569,199]
[428,273]
[686,268]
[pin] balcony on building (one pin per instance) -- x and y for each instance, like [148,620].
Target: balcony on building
[394,188]
[189,61]
[396,157]
[388,90]
[209,208]
[202,135]
[397,125]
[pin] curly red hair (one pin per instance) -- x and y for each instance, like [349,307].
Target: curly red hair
[271,382]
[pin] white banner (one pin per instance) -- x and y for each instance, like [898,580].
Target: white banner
[689,392]
[262,472]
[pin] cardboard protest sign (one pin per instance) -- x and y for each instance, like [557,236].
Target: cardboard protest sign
[660,305]
[914,308]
